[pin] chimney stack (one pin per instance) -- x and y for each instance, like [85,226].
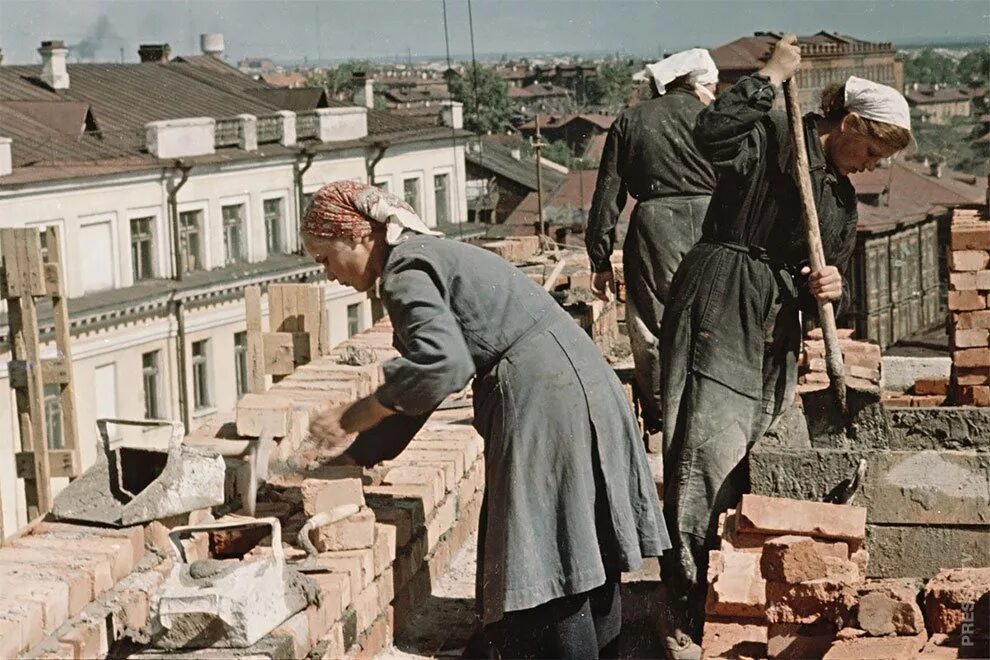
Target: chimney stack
[211,43]
[53,70]
[154,52]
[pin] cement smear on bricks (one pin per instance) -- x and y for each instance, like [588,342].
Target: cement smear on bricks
[926,488]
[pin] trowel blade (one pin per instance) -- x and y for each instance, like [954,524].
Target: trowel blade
[826,421]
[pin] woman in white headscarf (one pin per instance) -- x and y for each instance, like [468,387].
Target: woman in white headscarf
[730,335]
[650,154]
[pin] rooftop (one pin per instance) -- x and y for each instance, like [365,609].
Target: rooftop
[750,53]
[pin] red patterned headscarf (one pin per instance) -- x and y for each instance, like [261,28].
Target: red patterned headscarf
[346,209]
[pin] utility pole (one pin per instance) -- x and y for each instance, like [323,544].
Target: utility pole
[538,147]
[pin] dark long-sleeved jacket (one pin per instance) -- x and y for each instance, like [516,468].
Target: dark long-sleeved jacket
[650,152]
[757,202]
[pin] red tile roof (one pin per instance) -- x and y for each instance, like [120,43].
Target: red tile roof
[603,122]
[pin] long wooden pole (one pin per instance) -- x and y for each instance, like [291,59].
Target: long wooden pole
[816,254]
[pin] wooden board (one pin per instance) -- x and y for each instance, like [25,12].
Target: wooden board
[255,347]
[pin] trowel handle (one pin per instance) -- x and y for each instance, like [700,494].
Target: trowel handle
[276,527]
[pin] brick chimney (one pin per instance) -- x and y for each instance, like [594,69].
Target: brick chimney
[154,52]
[53,70]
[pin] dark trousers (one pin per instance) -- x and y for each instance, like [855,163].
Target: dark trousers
[580,626]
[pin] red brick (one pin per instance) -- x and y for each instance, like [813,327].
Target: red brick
[810,602]
[384,548]
[322,495]
[735,588]
[417,492]
[876,648]
[444,517]
[133,535]
[819,519]
[974,236]
[898,401]
[726,638]
[95,566]
[53,596]
[952,598]
[87,638]
[399,520]
[927,401]
[352,533]
[793,641]
[963,281]
[976,337]
[358,565]
[367,606]
[964,301]
[890,607]
[79,587]
[117,551]
[460,452]
[970,320]
[420,475]
[972,357]
[741,541]
[296,628]
[798,558]
[29,617]
[971,376]
[967,260]
[931,386]
[10,638]
[973,395]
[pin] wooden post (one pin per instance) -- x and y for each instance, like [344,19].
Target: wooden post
[55,275]
[255,346]
[24,278]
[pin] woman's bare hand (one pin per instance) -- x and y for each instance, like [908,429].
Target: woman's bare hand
[326,430]
[784,61]
[825,284]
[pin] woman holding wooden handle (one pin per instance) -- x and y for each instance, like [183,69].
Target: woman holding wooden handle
[730,335]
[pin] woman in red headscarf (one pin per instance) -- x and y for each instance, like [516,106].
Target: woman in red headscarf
[570,501]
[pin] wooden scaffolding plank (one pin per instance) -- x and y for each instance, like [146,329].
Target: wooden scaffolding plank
[25,278]
[324,343]
[63,345]
[255,347]
[276,308]
[309,298]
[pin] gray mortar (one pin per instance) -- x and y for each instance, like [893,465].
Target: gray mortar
[926,490]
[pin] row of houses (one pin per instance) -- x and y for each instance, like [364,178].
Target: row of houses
[175,183]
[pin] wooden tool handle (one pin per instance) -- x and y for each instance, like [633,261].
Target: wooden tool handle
[816,254]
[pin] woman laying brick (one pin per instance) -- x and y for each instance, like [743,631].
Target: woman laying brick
[570,501]
[730,334]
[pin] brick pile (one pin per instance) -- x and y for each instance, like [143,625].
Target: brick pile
[925,393]
[75,591]
[788,581]
[969,306]
[861,360]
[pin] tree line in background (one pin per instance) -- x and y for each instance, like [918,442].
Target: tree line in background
[954,143]
[488,108]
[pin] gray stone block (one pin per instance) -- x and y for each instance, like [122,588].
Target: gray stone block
[923,550]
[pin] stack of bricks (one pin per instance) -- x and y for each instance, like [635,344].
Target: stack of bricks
[925,393]
[372,568]
[73,591]
[515,248]
[861,360]
[788,581]
[969,306]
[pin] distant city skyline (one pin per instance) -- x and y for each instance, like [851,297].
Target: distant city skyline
[298,30]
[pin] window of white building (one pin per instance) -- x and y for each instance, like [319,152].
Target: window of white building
[441,195]
[152,378]
[241,363]
[202,397]
[410,192]
[143,248]
[233,233]
[274,214]
[191,239]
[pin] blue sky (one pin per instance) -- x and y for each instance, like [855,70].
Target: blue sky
[336,29]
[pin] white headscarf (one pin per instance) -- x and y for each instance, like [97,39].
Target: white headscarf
[695,61]
[878,102]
